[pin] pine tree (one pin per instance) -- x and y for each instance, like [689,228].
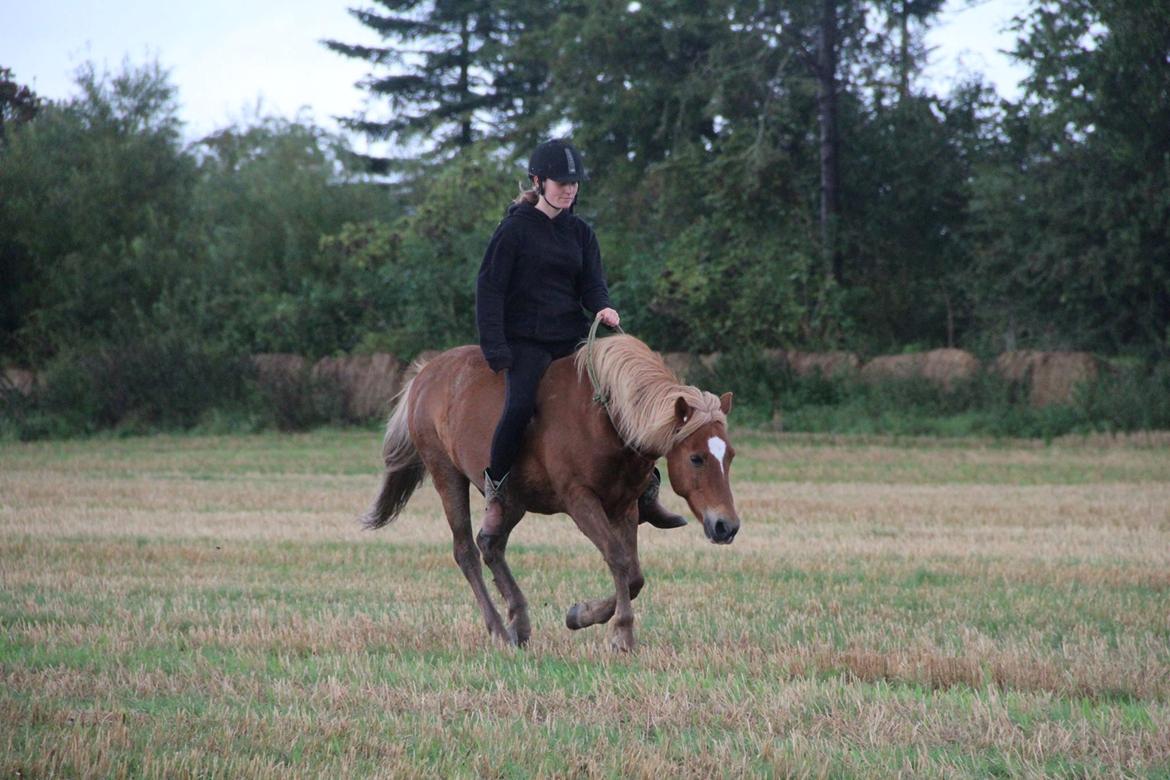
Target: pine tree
[452,72]
[1074,228]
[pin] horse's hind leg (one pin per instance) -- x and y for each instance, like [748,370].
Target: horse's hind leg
[453,490]
[493,547]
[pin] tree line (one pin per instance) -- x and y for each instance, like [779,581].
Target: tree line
[779,172]
[763,175]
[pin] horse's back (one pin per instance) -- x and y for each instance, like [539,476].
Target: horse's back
[456,401]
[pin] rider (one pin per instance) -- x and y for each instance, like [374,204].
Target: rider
[542,267]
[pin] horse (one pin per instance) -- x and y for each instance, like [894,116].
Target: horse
[588,452]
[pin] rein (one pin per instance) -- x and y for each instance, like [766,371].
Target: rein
[599,395]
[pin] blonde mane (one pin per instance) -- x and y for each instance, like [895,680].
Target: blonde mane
[642,393]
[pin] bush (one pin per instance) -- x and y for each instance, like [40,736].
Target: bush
[1131,398]
[293,398]
[768,393]
[153,382]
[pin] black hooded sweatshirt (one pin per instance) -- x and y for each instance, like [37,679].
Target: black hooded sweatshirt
[536,276]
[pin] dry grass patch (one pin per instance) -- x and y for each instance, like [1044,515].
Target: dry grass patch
[208,606]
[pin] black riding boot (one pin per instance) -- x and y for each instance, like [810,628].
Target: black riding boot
[654,513]
[493,513]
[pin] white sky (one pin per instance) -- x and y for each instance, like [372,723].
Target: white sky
[969,37]
[224,56]
[228,56]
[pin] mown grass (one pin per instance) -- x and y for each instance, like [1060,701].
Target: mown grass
[183,606]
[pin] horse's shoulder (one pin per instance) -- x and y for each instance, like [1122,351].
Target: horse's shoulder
[572,389]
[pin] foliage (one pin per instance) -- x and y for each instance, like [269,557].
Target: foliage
[752,289]
[92,193]
[450,72]
[1124,398]
[419,273]
[906,215]
[1129,398]
[18,106]
[963,220]
[18,103]
[1072,224]
[299,401]
[266,196]
[158,381]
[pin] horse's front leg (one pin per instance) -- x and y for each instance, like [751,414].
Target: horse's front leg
[618,543]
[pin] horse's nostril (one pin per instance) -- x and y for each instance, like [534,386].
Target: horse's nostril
[720,529]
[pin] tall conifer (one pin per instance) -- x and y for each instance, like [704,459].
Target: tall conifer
[449,73]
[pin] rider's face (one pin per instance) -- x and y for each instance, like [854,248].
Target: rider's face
[560,194]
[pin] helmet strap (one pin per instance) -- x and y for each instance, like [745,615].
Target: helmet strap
[540,192]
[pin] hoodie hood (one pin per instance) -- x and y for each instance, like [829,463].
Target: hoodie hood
[526,210]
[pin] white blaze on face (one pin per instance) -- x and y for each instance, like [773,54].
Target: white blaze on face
[718,448]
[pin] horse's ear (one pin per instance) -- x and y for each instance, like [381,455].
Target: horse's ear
[725,402]
[682,412]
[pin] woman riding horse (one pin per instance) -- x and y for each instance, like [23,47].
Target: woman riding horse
[589,459]
[593,461]
[542,267]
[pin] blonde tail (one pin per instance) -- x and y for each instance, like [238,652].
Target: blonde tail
[404,468]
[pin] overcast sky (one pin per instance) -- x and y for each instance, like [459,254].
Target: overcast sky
[227,56]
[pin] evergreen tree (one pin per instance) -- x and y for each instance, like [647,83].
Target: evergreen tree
[1073,227]
[451,72]
[905,169]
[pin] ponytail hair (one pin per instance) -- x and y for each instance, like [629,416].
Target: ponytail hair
[530,196]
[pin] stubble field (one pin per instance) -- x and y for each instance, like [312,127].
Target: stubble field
[207,606]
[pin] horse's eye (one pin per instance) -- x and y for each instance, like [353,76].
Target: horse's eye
[697,460]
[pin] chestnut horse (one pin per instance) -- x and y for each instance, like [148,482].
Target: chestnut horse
[587,459]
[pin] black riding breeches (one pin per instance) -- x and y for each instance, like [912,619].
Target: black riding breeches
[530,359]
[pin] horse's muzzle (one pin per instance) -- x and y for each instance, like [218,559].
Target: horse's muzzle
[719,529]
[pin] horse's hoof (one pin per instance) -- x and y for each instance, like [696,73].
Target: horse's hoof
[520,630]
[518,636]
[573,618]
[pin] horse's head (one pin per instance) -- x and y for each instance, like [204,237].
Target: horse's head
[700,469]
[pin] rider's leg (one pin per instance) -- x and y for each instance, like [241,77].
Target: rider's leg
[654,513]
[529,362]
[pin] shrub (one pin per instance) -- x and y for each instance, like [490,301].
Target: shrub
[1131,398]
[146,383]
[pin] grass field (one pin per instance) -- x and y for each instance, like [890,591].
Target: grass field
[206,606]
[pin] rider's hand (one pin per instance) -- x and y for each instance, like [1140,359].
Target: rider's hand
[609,318]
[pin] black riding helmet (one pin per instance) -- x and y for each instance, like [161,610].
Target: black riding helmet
[557,160]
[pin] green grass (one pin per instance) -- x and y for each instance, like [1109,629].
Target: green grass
[179,606]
